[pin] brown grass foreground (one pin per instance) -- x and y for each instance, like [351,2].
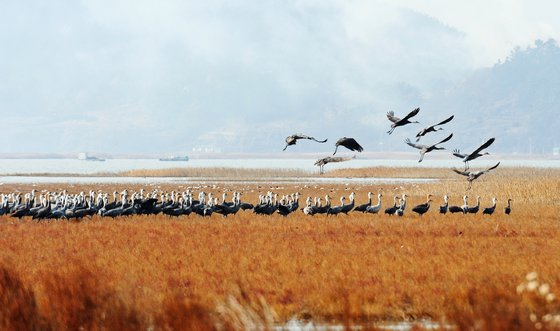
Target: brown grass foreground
[251,271]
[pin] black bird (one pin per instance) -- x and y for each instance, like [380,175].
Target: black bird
[349,206]
[423,208]
[490,210]
[400,210]
[461,209]
[393,209]
[375,209]
[43,211]
[115,212]
[349,143]
[475,154]
[507,210]
[472,175]
[291,140]
[426,149]
[401,121]
[474,210]
[343,208]
[310,209]
[432,128]
[443,208]
[364,207]
[324,209]
[286,209]
[20,212]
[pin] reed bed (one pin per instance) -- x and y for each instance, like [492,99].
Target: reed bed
[229,173]
[248,271]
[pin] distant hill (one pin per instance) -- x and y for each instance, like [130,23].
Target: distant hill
[517,101]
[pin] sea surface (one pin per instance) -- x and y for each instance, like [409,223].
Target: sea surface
[10,167]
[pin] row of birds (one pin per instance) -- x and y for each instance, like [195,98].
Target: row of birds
[62,205]
[353,145]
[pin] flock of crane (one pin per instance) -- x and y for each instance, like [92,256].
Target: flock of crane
[353,145]
[399,207]
[62,205]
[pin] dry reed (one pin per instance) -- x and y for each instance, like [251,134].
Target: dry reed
[253,271]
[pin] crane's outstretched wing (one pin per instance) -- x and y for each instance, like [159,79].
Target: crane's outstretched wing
[458,154]
[302,136]
[422,132]
[464,173]
[319,141]
[410,143]
[492,167]
[444,140]
[447,120]
[330,159]
[391,116]
[483,146]
[411,114]
[351,144]
[291,140]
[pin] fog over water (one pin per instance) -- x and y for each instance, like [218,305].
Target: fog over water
[178,76]
[64,166]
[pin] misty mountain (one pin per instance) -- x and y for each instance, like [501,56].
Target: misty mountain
[517,101]
[233,77]
[141,77]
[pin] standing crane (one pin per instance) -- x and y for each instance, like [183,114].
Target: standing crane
[507,210]
[490,210]
[423,208]
[443,208]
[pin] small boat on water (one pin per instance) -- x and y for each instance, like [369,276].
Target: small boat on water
[175,158]
[86,157]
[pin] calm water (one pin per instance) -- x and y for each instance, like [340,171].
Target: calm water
[74,166]
[199,180]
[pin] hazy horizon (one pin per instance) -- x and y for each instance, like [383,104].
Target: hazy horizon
[142,77]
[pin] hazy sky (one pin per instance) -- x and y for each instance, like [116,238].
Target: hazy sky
[167,76]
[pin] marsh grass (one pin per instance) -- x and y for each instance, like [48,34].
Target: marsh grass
[252,271]
[211,172]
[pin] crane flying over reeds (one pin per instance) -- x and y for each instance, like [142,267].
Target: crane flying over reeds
[426,149]
[292,139]
[321,162]
[432,128]
[475,154]
[397,121]
[473,175]
[349,143]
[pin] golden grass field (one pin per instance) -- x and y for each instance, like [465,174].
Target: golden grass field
[251,271]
